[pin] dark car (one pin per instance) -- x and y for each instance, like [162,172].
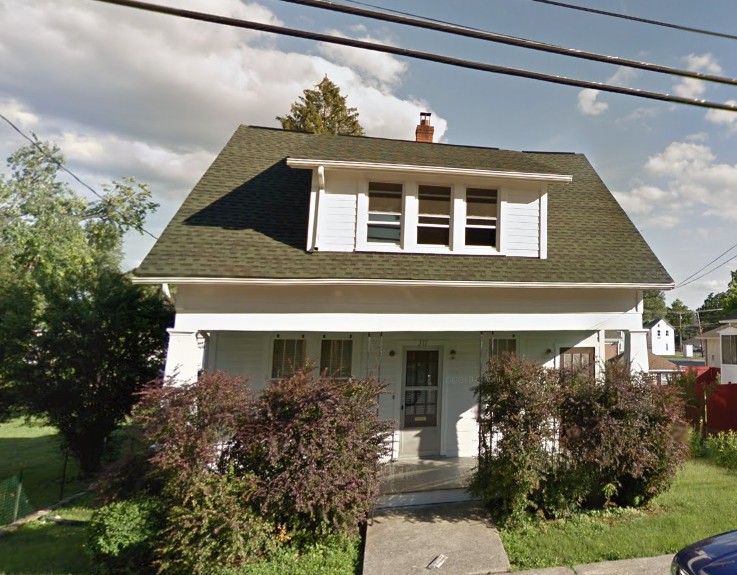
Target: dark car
[716,555]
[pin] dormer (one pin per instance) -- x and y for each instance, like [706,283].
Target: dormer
[429,209]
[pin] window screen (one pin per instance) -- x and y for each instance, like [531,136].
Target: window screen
[289,355]
[336,356]
[385,213]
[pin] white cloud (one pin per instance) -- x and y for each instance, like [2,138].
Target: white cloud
[588,104]
[690,87]
[125,92]
[692,184]
[723,117]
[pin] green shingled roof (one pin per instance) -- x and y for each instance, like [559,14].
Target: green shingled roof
[247,218]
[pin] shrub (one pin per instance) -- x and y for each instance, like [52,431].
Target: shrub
[555,442]
[314,447]
[722,447]
[515,423]
[121,536]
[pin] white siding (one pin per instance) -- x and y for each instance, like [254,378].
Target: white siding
[336,227]
[520,223]
[243,354]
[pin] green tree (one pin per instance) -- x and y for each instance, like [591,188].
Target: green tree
[682,319]
[718,305]
[322,111]
[77,339]
[653,303]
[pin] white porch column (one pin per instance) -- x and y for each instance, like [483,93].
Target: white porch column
[182,356]
[635,349]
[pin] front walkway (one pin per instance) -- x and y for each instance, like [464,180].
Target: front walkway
[457,538]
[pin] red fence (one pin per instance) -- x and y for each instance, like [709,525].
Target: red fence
[721,406]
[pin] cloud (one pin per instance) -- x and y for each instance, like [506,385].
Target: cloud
[723,117]
[690,87]
[588,104]
[125,92]
[588,99]
[692,184]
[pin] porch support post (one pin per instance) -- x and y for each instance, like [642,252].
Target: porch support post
[182,357]
[635,350]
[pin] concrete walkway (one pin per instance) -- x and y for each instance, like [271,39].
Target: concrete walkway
[457,536]
[456,539]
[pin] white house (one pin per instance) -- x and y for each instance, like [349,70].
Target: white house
[720,348]
[408,260]
[660,337]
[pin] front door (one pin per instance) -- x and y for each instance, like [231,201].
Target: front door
[420,417]
[578,359]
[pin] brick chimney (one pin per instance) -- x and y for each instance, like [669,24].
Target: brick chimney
[424,131]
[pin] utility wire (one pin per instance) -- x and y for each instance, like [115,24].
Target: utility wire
[427,56]
[61,166]
[636,19]
[706,273]
[724,253]
[459,30]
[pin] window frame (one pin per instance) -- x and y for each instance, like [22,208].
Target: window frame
[330,369]
[410,217]
[729,358]
[303,344]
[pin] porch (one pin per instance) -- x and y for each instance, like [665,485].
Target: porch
[424,481]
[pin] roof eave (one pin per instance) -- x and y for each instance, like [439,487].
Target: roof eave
[306,163]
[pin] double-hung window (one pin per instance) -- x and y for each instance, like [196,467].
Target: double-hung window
[498,347]
[729,349]
[481,217]
[288,356]
[433,226]
[336,357]
[384,213]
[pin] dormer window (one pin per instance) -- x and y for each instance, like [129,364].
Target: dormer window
[481,217]
[384,213]
[433,227]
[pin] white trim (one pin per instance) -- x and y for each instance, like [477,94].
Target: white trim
[183,280]
[543,229]
[305,163]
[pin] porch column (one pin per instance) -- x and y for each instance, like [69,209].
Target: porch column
[635,350]
[182,356]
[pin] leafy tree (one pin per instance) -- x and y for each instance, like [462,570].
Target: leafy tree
[653,303]
[77,338]
[322,111]
[682,319]
[718,305]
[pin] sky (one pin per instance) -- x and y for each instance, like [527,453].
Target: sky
[130,93]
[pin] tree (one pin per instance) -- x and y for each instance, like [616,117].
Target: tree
[322,111]
[718,305]
[682,319]
[653,303]
[77,338]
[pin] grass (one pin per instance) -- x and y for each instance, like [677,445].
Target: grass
[35,448]
[701,502]
[47,548]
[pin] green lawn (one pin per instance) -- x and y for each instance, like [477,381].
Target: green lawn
[702,502]
[34,448]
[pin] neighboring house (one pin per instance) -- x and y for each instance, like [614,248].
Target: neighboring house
[728,348]
[660,337]
[661,369]
[711,347]
[410,261]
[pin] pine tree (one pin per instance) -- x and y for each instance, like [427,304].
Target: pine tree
[322,111]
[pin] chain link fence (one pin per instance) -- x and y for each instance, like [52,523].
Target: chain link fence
[14,503]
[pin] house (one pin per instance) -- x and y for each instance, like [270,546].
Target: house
[661,339]
[661,369]
[409,260]
[720,348]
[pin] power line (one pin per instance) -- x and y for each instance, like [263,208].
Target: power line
[636,19]
[689,279]
[427,56]
[61,166]
[459,30]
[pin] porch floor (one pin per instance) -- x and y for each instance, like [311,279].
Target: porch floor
[423,481]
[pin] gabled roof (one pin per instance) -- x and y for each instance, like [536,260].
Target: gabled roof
[711,334]
[247,219]
[657,363]
[653,322]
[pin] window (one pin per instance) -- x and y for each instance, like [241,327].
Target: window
[336,356]
[289,355]
[729,349]
[658,333]
[578,359]
[433,226]
[384,213]
[481,216]
[666,333]
[498,347]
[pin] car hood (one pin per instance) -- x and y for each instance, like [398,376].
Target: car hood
[713,556]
